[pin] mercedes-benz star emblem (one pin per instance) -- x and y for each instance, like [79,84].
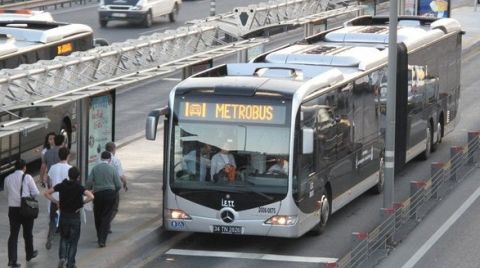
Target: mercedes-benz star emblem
[227,216]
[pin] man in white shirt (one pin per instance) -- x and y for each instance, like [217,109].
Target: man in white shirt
[56,174]
[222,159]
[12,185]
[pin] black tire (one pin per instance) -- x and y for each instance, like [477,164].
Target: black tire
[103,23]
[67,135]
[378,188]
[148,20]
[438,136]
[428,146]
[325,213]
[172,15]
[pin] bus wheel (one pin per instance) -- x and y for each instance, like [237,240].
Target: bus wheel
[103,23]
[438,135]
[65,132]
[325,213]
[171,15]
[428,144]
[148,21]
[378,188]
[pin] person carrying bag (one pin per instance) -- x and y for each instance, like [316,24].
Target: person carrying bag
[28,204]
[16,217]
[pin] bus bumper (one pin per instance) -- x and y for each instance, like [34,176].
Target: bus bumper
[132,16]
[241,227]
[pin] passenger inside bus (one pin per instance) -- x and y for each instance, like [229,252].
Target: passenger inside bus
[280,167]
[223,166]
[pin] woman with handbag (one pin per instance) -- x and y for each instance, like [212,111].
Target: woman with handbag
[21,190]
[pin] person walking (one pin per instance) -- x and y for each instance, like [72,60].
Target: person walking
[70,202]
[19,184]
[105,183]
[56,174]
[51,157]
[117,164]
[48,143]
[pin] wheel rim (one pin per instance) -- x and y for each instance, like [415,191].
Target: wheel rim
[325,210]
[439,132]
[381,177]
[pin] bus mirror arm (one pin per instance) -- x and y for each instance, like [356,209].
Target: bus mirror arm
[307,140]
[152,122]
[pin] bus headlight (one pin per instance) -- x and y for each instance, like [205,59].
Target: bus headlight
[282,220]
[178,214]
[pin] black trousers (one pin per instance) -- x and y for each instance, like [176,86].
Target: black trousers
[16,220]
[103,206]
[52,225]
[115,206]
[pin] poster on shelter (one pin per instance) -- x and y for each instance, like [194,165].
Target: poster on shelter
[100,127]
[434,8]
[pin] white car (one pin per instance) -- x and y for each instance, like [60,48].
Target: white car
[137,11]
[25,14]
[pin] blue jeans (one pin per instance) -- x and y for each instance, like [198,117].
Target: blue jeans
[69,235]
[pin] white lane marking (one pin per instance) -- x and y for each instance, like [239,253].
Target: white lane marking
[442,230]
[154,30]
[254,256]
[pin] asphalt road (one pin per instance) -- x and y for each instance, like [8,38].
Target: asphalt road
[362,215]
[118,31]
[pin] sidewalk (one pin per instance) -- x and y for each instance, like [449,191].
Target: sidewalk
[137,225]
[134,230]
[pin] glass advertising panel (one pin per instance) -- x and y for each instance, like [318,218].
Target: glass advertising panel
[434,8]
[100,127]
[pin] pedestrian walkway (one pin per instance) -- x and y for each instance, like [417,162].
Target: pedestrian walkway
[139,216]
[137,225]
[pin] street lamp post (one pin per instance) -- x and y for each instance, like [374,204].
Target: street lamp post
[388,195]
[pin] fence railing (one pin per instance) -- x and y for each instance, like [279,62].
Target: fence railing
[370,247]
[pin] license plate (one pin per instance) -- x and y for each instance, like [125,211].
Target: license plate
[223,229]
[119,15]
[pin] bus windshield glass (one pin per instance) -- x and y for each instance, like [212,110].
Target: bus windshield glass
[230,144]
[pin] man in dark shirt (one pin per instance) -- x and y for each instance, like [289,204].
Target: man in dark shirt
[70,204]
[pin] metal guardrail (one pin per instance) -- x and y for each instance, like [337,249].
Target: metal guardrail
[39,4]
[370,247]
[67,78]
[244,20]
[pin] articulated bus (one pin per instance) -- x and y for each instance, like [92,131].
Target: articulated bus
[27,41]
[299,131]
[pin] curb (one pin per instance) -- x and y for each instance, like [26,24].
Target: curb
[124,251]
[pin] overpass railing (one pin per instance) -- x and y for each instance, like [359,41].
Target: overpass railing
[69,78]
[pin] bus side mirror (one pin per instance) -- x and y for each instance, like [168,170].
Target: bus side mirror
[307,140]
[152,122]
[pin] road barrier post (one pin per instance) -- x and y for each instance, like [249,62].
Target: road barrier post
[416,198]
[456,158]
[473,140]
[359,248]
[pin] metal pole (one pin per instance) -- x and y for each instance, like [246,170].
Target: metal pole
[475,2]
[388,196]
[212,7]
[401,7]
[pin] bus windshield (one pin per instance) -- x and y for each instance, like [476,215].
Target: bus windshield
[230,146]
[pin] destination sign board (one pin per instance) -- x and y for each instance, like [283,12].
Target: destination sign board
[232,112]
